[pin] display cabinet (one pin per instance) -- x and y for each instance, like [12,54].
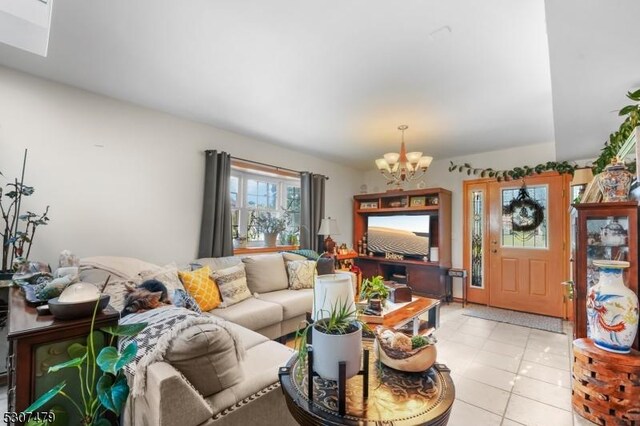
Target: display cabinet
[602,231]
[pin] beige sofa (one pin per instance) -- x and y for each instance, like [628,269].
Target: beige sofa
[272,312]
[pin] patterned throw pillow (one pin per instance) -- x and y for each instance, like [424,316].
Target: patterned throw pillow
[182,299]
[301,274]
[167,275]
[232,283]
[201,287]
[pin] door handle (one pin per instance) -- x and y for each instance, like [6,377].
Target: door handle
[494,250]
[494,242]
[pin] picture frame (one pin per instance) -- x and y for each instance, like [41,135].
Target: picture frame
[368,205]
[419,201]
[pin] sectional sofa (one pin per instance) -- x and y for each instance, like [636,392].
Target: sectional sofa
[201,381]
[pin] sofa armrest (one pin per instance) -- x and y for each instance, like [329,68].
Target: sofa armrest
[169,400]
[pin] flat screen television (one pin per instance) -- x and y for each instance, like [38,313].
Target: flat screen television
[402,234]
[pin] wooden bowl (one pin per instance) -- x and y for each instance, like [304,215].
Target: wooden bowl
[68,311]
[416,360]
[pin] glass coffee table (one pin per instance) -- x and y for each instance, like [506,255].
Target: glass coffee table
[402,315]
[394,397]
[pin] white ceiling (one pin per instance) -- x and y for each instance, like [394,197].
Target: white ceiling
[595,61]
[332,78]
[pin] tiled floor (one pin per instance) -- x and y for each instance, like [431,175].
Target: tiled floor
[506,374]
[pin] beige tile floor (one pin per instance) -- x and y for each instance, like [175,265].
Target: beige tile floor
[506,374]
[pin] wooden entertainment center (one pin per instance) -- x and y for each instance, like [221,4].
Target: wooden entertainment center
[425,277]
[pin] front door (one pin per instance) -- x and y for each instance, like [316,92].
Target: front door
[522,269]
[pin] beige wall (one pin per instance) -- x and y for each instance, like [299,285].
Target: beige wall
[126,180]
[438,175]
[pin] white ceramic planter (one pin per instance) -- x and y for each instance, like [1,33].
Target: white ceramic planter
[612,309]
[330,349]
[329,290]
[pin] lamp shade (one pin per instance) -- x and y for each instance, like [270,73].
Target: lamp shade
[328,226]
[330,291]
[425,161]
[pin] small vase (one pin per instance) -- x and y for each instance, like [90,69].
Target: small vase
[615,183]
[612,309]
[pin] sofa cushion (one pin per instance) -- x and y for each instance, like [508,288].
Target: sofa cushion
[266,273]
[206,355]
[232,283]
[200,285]
[248,337]
[251,313]
[293,302]
[289,257]
[216,263]
[301,274]
[260,367]
[167,275]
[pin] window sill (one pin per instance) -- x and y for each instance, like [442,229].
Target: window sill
[255,250]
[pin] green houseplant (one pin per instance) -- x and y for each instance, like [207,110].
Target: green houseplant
[336,337]
[373,289]
[103,385]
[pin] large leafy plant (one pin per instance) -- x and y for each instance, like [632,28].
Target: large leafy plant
[374,288]
[103,384]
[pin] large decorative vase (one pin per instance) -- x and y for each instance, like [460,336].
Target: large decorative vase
[615,182]
[330,349]
[612,309]
[270,239]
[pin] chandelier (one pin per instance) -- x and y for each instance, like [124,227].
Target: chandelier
[402,167]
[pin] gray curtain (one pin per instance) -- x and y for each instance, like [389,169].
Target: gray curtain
[215,229]
[311,210]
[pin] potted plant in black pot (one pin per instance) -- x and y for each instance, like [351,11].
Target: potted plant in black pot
[17,229]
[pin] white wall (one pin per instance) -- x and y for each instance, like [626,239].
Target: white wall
[125,180]
[438,175]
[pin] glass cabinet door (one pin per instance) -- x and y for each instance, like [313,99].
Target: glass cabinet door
[607,239]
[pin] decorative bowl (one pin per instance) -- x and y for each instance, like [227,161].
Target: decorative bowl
[75,310]
[416,360]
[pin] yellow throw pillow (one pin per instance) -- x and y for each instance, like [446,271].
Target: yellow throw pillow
[203,289]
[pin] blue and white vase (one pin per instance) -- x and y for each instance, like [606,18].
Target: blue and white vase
[612,309]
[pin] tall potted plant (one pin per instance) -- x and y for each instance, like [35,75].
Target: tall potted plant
[17,229]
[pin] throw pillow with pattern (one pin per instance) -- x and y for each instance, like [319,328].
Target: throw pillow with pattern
[232,283]
[182,299]
[301,274]
[203,289]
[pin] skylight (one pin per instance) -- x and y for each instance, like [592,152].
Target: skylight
[25,24]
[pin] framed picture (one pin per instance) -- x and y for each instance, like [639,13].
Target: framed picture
[369,205]
[418,201]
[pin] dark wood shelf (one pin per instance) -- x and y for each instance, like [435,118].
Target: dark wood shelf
[382,259]
[433,208]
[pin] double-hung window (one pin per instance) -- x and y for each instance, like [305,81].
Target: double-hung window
[256,191]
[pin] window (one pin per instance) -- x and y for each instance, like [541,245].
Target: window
[256,191]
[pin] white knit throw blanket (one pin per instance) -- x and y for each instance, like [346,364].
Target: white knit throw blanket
[163,325]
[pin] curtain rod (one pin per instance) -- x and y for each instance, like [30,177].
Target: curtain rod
[265,164]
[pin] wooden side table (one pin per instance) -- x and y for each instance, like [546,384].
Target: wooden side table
[394,397]
[36,342]
[605,386]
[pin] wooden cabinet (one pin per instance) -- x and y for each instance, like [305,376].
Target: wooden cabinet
[425,275]
[602,231]
[36,342]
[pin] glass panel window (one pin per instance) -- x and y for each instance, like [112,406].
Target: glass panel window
[477,239]
[536,238]
[233,190]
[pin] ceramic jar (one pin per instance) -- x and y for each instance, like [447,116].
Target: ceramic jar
[612,309]
[615,183]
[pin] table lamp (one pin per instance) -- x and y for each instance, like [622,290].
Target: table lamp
[327,227]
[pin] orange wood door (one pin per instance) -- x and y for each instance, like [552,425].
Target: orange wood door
[525,272]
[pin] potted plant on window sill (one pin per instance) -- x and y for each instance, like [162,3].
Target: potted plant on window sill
[270,225]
